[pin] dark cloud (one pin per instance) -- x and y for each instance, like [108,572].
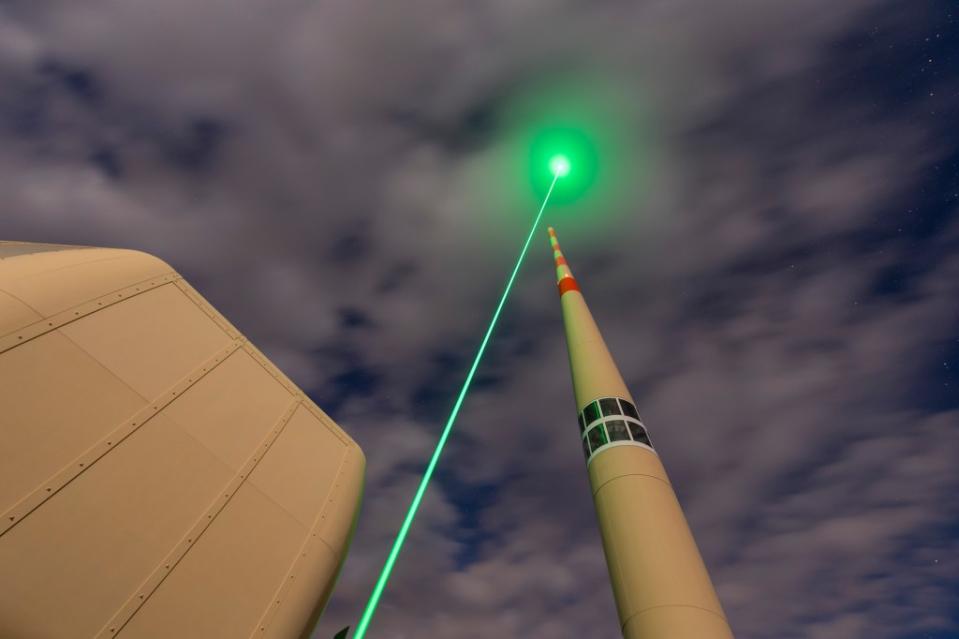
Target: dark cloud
[108,161]
[778,285]
[195,148]
[78,82]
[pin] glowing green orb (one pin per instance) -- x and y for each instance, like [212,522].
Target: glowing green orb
[590,121]
[567,152]
[559,165]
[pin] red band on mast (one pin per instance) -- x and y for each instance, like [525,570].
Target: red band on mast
[566,285]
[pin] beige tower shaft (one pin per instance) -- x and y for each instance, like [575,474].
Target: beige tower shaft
[660,583]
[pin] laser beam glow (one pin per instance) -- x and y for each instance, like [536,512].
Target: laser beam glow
[559,165]
[384,577]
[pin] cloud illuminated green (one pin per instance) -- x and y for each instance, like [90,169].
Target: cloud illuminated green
[572,143]
[590,122]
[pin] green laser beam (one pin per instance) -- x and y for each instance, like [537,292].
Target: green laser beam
[374,600]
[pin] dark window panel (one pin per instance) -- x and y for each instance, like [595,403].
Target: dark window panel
[628,409]
[591,413]
[609,406]
[597,437]
[639,434]
[617,430]
[582,424]
[586,448]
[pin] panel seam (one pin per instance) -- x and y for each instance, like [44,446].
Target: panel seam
[148,587]
[302,552]
[194,296]
[66,267]
[612,479]
[58,320]
[287,383]
[80,464]
[645,610]
[22,301]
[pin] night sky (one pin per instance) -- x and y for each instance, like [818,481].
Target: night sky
[779,281]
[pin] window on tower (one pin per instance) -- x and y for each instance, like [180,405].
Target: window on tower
[639,434]
[628,409]
[591,413]
[597,437]
[610,419]
[609,406]
[617,430]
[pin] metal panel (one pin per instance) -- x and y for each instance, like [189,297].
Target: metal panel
[640,544]
[333,528]
[134,421]
[55,402]
[306,456]
[337,519]
[91,544]
[193,534]
[220,586]
[14,314]
[151,340]
[232,409]
[53,282]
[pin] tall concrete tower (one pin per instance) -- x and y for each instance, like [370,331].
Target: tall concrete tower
[660,583]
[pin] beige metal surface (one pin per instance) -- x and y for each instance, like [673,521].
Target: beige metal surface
[159,477]
[646,538]
[588,352]
[661,586]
